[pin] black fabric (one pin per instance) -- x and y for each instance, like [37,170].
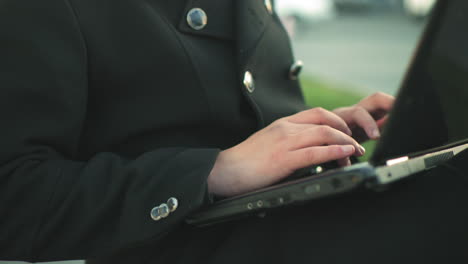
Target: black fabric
[108,109]
[419,220]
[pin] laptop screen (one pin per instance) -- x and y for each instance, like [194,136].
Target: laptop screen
[432,104]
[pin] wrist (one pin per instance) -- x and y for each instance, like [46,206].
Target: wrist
[222,180]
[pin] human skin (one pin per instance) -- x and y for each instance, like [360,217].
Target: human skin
[310,137]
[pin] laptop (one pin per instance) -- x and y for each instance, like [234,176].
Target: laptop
[426,127]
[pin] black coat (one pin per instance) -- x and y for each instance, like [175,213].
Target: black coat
[110,107]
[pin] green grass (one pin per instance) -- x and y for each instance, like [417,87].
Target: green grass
[328,95]
[331,95]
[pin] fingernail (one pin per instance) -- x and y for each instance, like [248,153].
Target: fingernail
[375,133]
[362,149]
[347,150]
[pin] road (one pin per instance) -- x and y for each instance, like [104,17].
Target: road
[368,52]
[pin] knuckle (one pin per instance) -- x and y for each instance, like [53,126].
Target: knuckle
[378,96]
[281,127]
[324,131]
[278,122]
[320,111]
[334,151]
[357,110]
[310,155]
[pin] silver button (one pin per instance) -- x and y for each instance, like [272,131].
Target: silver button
[173,204]
[295,70]
[155,214]
[164,210]
[269,6]
[197,18]
[249,82]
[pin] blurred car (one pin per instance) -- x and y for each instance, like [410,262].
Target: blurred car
[306,10]
[351,5]
[299,14]
[418,8]
[364,5]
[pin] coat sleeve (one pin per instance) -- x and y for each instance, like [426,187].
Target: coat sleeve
[53,206]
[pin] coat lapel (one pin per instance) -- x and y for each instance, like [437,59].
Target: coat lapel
[251,21]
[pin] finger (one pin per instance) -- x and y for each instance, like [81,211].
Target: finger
[381,122]
[344,162]
[364,120]
[378,101]
[320,116]
[324,135]
[315,155]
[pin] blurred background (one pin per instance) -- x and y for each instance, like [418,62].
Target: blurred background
[359,45]
[350,48]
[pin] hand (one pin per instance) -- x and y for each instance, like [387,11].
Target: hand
[367,117]
[310,137]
